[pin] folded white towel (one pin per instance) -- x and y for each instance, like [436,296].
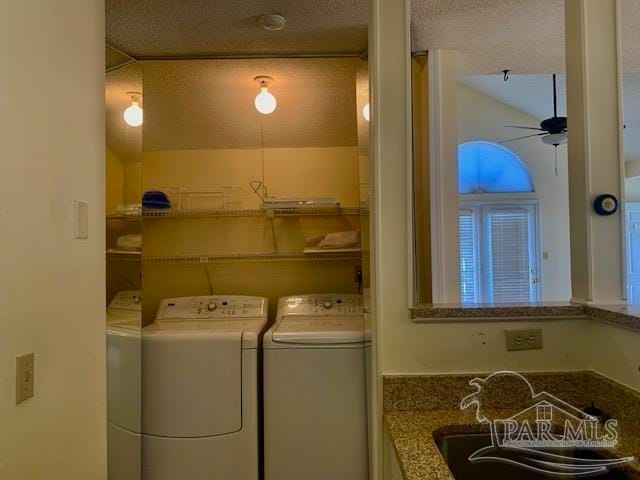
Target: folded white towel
[133,241]
[332,240]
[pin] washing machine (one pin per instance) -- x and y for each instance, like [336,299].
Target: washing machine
[124,365]
[315,405]
[200,389]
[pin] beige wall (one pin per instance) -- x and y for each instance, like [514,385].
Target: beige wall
[318,172]
[115,182]
[481,117]
[615,353]
[133,182]
[473,347]
[478,347]
[123,182]
[328,172]
[52,285]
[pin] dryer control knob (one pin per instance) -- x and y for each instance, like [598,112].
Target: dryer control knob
[212,307]
[327,305]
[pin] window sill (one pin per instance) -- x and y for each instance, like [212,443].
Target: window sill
[624,316]
[496,312]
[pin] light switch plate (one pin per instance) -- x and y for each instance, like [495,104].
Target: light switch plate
[524,339]
[82,219]
[25,378]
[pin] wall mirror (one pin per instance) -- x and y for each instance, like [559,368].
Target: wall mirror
[124,103]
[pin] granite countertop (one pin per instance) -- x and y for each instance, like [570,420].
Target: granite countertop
[419,409]
[506,310]
[626,316]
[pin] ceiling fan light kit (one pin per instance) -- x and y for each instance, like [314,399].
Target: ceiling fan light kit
[555,139]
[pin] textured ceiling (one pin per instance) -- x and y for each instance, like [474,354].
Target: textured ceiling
[167,28]
[206,104]
[525,36]
[533,94]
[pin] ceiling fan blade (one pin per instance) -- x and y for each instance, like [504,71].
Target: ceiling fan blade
[524,128]
[526,136]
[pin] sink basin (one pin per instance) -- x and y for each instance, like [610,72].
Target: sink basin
[456,450]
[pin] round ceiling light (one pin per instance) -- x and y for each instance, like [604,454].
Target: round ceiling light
[133,115]
[272,22]
[265,102]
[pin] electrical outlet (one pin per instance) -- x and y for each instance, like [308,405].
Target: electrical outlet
[524,339]
[24,377]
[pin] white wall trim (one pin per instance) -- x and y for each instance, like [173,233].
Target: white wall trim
[436,176]
[411,253]
[443,147]
[622,215]
[391,149]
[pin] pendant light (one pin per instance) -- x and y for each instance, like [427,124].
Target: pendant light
[133,114]
[265,102]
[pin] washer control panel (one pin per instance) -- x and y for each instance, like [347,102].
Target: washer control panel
[212,306]
[127,300]
[328,304]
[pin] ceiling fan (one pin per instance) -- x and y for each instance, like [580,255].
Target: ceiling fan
[552,130]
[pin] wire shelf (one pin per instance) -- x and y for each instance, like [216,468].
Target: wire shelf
[168,214]
[312,211]
[288,212]
[124,256]
[255,257]
[124,217]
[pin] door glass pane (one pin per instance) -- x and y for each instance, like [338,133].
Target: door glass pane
[509,248]
[633,252]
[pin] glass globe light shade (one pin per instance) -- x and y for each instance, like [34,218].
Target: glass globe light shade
[265,102]
[365,112]
[555,139]
[133,115]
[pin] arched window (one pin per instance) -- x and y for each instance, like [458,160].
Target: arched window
[485,167]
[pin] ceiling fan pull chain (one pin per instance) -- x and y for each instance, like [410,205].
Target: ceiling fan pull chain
[556,151]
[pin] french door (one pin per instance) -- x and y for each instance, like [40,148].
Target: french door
[499,253]
[633,252]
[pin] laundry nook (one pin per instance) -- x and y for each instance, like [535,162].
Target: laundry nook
[237,204]
[320,240]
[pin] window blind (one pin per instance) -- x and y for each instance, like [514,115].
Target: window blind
[509,250]
[468,262]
